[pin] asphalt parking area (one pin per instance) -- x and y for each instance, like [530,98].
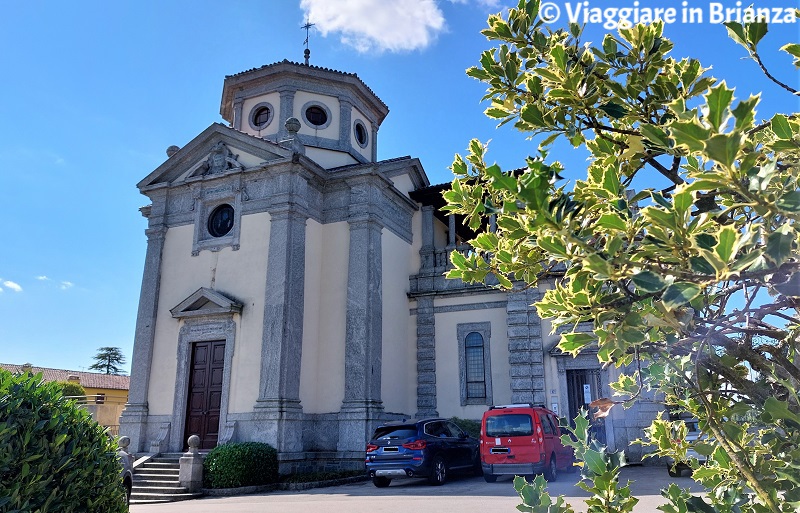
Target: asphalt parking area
[459,495]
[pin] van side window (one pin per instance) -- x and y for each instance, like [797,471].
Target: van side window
[546,426]
[554,421]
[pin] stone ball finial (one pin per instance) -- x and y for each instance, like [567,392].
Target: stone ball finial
[172,150]
[124,442]
[194,442]
[292,125]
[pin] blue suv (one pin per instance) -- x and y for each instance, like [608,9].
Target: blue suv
[427,448]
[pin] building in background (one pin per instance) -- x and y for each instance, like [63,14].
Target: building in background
[294,291]
[106,394]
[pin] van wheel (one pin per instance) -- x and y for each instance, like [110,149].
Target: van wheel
[489,478]
[438,471]
[381,482]
[551,473]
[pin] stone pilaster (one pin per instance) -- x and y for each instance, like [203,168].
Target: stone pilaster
[237,113]
[426,358]
[374,142]
[133,422]
[286,111]
[346,125]
[525,352]
[363,348]
[278,406]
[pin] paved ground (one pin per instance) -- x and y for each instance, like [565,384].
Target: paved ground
[459,495]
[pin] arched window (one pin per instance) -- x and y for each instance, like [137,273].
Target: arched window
[475,362]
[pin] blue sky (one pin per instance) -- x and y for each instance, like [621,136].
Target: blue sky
[93,92]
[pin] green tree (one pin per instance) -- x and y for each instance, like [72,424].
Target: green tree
[71,389]
[108,360]
[693,288]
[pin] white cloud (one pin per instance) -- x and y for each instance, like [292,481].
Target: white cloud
[66,285]
[12,286]
[381,25]
[43,278]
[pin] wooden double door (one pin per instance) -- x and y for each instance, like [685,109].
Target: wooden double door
[205,392]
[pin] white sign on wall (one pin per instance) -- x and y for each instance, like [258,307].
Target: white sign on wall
[587,394]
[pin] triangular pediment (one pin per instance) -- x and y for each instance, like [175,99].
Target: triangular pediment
[205,301]
[217,150]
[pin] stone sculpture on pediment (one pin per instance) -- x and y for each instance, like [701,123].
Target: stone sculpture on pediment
[220,160]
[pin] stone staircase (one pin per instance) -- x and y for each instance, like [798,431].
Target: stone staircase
[156,481]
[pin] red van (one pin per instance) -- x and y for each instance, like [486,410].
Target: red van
[522,440]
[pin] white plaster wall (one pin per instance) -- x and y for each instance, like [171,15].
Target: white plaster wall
[332,130]
[403,183]
[399,364]
[448,385]
[182,274]
[439,234]
[273,99]
[249,288]
[328,158]
[325,317]
[355,114]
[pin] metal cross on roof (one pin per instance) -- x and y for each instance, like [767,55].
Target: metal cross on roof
[307,27]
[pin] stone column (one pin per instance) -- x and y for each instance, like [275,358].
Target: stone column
[133,422]
[525,351]
[190,475]
[363,347]
[278,406]
[426,358]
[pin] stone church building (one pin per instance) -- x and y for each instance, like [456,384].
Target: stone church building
[293,289]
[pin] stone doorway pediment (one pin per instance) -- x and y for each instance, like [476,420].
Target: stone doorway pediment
[205,302]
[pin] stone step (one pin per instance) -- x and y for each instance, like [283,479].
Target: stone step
[142,482]
[162,489]
[154,498]
[158,471]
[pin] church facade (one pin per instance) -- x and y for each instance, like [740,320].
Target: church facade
[294,291]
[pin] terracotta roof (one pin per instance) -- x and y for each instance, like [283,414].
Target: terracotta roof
[309,66]
[87,379]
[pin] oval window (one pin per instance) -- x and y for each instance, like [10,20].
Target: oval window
[220,221]
[360,133]
[262,117]
[316,115]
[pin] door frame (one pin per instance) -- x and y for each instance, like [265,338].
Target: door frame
[199,329]
[585,361]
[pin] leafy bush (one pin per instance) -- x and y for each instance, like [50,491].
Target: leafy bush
[240,464]
[55,458]
[471,427]
[71,389]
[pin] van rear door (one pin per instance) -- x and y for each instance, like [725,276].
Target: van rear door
[512,438]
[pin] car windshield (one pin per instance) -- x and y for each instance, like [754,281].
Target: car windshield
[518,424]
[394,432]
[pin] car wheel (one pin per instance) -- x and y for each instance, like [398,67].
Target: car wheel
[489,478]
[676,471]
[128,494]
[477,469]
[551,473]
[381,482]
[438,471]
